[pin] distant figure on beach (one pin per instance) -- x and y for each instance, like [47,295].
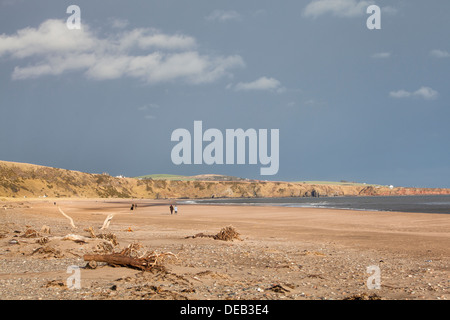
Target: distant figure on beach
[171,209]
[132,207]
[176,209]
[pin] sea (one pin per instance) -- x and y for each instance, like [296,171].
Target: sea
[419,203]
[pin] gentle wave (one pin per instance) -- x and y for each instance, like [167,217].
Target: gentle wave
[425,204]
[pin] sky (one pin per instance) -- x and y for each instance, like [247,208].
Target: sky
[350,103]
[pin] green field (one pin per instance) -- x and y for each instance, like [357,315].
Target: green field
[342,183]
[166,177]
[199,177]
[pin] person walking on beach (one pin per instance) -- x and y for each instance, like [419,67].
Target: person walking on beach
[171,209]
[176,209]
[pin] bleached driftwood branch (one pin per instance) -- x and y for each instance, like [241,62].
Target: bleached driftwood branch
[70,219]
[107,221]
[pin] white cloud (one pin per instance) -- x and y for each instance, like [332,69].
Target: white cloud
[440,54]
[118,23]
[52,37]
[153,106]
[261,84]
[146,108]
[152,38]
[339,8]
[381,55]
[311,103]
[223,16]
[145,54]
[426,93]
[400,94]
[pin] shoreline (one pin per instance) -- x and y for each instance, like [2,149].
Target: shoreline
[246,202]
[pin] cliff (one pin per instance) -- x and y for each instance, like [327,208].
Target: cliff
[32,181]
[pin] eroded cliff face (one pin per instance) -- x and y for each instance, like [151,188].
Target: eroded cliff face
[25,180]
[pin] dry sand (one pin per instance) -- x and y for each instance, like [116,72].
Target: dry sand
[283,254]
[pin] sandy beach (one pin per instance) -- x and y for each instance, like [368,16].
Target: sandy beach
[283,253]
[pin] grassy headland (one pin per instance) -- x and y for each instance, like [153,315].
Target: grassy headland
[19,180]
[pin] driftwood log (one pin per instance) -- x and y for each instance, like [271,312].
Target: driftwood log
[117,259]
[124,259]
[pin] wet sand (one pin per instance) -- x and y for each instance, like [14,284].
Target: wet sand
[285,253]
